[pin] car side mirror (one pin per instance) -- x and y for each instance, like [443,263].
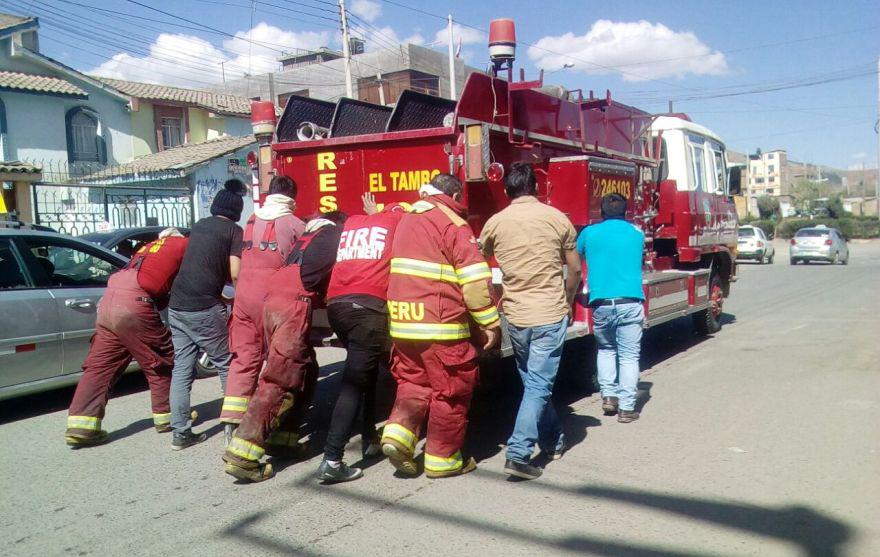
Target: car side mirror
[734,185]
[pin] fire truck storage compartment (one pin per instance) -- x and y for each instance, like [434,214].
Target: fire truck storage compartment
[675,293]
[575,185]
[353,117]
[418,111]
[300,110]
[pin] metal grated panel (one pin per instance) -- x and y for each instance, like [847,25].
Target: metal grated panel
[303,109]
[354,117]
[418,111]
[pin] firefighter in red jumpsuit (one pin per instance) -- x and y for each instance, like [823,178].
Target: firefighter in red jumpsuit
[269,237]
[284,390]
[440,287]
[129,326]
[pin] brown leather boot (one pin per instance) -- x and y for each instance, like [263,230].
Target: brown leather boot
[627,416]
[609,405]
[77,438]
[399,457]
[247,470]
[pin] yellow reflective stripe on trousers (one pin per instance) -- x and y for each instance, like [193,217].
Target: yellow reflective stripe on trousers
[471,273]
[283,438]
[162,419]
[429,331]
[423,269]
[485,316]
[245,449]
[84,422]
[442,464]
[235,404]
[400,434]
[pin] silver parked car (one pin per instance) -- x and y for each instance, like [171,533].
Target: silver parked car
[819,243]
[752,243]
[50,285]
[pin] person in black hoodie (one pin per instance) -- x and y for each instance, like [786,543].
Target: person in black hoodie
[196,312]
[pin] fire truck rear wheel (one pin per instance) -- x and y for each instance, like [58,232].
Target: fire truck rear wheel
[708,321]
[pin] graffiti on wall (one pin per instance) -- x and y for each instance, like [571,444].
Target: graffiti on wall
[206,189]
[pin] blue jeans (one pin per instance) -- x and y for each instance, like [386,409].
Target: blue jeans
[537,351]
[618,332]
[190,331]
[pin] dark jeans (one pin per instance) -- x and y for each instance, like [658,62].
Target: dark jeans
[364,332]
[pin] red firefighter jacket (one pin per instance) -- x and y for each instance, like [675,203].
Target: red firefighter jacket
[439,279]
[157,264]
[364,255]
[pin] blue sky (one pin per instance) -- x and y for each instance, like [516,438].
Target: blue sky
[646,53]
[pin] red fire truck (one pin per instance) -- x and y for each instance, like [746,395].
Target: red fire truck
[582,146]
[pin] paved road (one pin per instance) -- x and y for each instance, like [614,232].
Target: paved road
[760,441]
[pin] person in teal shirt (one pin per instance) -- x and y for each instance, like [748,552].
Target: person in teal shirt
[613,252]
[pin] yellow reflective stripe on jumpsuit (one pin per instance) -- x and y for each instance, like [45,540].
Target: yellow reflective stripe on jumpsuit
[485,316]
[429,331]
[84,422]
[162,419]
[443,464]
[245,449]
[400,434]
[235,404]
[471,273]
[423,269]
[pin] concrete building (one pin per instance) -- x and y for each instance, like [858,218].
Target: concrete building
[163,117]
[376,76]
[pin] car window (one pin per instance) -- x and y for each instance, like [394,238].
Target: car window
[811,233]
[66,265]
[746,232]
[12,274]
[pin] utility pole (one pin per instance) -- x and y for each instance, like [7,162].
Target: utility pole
[223,73]
[877,129]
[452,91]
[381,88]
[346,50]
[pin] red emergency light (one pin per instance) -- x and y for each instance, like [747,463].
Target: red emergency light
[263,118]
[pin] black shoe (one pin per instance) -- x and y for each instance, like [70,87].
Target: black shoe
[627,416]
[609,405]
[522,470]
[186,439]
[338,474]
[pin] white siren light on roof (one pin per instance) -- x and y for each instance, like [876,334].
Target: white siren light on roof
[502,41]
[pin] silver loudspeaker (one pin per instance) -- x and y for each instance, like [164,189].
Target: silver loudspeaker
[307,131]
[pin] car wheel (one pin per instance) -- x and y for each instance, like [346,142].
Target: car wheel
[204,367]
[770,259]
[834,258]
[793,261]
[845,261]
[708,321]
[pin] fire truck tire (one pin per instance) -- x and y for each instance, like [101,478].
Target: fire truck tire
[708,321]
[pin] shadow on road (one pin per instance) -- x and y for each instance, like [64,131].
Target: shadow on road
[813,533]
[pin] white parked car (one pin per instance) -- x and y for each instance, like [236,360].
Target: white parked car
[752,243]
[819,243]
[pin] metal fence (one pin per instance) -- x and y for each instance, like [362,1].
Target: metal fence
[79,198]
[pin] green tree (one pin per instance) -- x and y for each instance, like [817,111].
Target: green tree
[805,192]
[835,207]
[768,206]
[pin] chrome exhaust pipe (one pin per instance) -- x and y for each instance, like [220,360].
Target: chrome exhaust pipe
[308,131]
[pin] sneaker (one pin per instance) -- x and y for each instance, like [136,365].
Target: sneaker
[79,440]
[401,460]
[522,470]
[228,433]
[180,441]
[627,416]
[609,405]
[338,474]
[556,454]
[469,466]
[249,471]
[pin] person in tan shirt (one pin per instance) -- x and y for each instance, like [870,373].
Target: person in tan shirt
[533,243]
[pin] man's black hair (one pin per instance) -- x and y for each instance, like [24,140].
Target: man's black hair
[613,206]
[336,217]
[236,186]
[448,184]
[520,181]
[283,185]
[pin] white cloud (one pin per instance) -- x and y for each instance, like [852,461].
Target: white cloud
[189,61]
[859,156]
[464,34]
[641,49]
[366,9]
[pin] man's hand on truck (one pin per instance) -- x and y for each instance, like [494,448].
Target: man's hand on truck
[370,207]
